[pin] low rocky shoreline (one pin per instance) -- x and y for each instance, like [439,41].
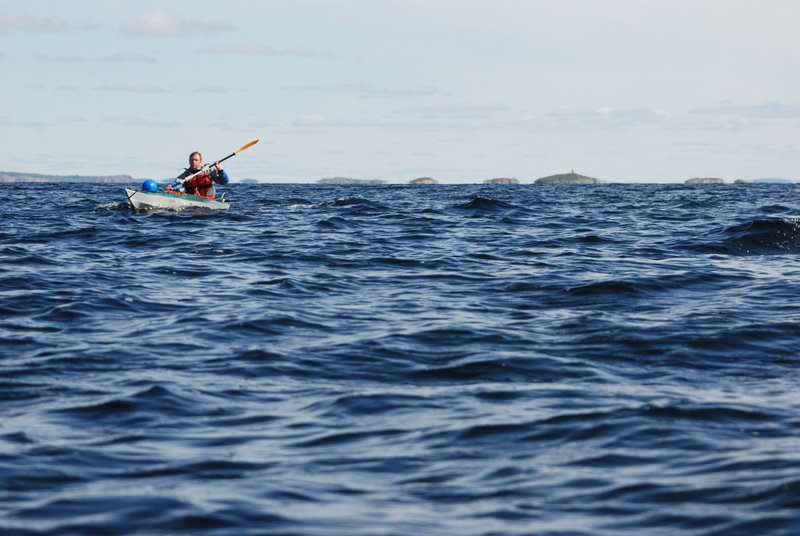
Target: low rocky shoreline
[10,176]
[564,178]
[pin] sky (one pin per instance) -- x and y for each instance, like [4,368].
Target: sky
[458,90]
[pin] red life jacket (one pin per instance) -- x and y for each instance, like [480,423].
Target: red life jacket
[200,185]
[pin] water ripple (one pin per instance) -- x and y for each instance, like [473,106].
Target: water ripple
[474,360]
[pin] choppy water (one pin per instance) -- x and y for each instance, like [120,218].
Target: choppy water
[401,360]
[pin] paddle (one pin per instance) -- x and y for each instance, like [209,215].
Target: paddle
[206,167]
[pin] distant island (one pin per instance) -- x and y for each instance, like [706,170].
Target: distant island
[567,178]
[10,176]
[705,180]
[347,180]
[423,180]
[763,181]
[501,181]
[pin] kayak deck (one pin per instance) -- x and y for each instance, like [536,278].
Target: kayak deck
[141,201]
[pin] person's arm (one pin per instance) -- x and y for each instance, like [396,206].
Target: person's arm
[177,183]
[220,177]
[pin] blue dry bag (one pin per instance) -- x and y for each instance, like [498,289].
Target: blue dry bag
[149,186]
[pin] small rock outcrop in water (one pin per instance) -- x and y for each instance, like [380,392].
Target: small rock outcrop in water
[348,180]
[765,181]
[423,180]
[705,180]
[501,181]
[567,178]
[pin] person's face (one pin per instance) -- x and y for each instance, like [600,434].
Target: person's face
[195,162]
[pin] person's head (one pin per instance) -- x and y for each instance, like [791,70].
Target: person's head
[195,161]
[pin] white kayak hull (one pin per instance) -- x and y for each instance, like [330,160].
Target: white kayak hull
[142,201]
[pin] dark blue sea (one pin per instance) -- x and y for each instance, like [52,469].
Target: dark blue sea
[465,360]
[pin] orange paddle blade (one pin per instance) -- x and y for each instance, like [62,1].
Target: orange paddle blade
[246,146]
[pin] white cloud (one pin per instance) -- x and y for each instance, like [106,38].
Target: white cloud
[366,90]
[369,91]
[6,122]
[255,49]
[70,119]
[134,88]
[32,23]
[139,121]
[503,118]
[771,110]
[59,59]
[212,89]
[322,122]
[460,111]
[118,57]
[121,57]
[311,121]
[603,118]
[162,24]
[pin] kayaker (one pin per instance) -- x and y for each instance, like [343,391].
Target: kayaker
[202,183]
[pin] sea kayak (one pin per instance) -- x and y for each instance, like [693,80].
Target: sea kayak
[142,201]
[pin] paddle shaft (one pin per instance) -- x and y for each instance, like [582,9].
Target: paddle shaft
[208,166]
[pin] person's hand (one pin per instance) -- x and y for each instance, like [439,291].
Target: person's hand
[219,167]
